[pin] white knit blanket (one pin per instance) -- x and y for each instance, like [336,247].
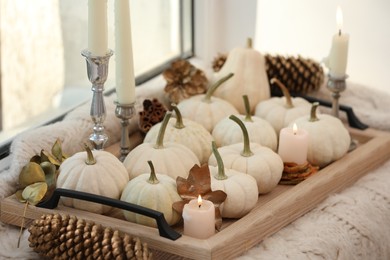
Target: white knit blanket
[353,224]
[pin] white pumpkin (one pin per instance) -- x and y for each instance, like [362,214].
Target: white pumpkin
[96,172]
[155,191]
[186,132]
[329,139]
[260,131]
[281,111]
[170,158]
[241,188]
[259,161]
[206,109]
[250,77]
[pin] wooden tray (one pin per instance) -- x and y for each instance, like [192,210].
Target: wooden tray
[273,211]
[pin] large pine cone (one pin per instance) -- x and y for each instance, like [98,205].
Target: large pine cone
[299,75]
[66,237]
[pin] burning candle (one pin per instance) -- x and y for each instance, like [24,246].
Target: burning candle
[338,56]
[199,218]
[125,80]
[293,145]
[97,27]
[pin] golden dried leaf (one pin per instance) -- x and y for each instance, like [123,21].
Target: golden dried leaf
[50,158]
[56,150]
[31,173]
[34,193]
[51,175]
[19,197]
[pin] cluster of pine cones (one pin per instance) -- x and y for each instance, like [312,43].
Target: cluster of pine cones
[65,237]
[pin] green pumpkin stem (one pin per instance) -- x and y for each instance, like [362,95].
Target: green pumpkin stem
[160,138]
[313,112]
[90,159]
[221,168]
[249,43]
[285,91]
[214,87]
[153,178]
[248,116]
[179,119]
[246,152]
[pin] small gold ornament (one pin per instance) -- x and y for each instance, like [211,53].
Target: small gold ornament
[66,237]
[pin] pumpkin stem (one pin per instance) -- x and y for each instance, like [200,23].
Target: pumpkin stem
[214,87]
[248,116]
[179,118]
[246,152]
[90,159]
[313,112]
[249,44]
[153,178]
[285,91]
[160,138]
[221,168]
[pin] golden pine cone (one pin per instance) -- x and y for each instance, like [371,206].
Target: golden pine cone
[299,75]
[66,237]
[184,80]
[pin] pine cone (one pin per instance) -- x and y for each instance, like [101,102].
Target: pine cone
[300,75]
[218,62]
[184,80]
[153,113]
[66,237]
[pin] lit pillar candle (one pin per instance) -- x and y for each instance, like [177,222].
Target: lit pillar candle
[293,145]
[97,27]
[125,81]
[199,218]
[338,56]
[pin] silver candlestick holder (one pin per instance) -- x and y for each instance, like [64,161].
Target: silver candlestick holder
[97,69]
[336,85]
[124,112]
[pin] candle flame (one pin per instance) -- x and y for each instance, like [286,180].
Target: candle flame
[295,129]
[339,19]
[199,201]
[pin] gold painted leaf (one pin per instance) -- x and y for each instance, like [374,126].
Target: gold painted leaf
[31,173]
[34,193]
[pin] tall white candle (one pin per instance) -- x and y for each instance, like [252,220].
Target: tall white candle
[97,27]
[338,56]
[199,218]
[293,145]
[125,80]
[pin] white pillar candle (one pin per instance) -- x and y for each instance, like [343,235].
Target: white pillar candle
[338,56]
[293,145]
[97,27]
[199,218]
[125,80]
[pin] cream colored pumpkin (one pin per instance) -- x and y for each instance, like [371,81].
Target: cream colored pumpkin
[170,158]
[155,191]
[259,161]
[241,188]
[250,77]
[206,109]
[260,131]
[281,111]
[329,140]
[96,172]
[186,132]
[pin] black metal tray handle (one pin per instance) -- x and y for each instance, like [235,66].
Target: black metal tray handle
[164,229]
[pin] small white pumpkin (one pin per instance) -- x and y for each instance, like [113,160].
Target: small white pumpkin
[259,161]
[206,109]
[155,191]
[186,132]
[96,172]
[248,66]
[170,158]
[260,131]
[241,188]
[329,140]
[281,111]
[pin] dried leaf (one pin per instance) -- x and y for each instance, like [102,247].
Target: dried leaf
[56,150]
[51,175]
[19,197]
[31,173]
[50,158]
[34,193]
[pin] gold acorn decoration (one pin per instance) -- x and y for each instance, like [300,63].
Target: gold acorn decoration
[184,80]
[66,237]
[300,75]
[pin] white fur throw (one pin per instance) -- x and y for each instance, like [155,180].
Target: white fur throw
[353,224]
